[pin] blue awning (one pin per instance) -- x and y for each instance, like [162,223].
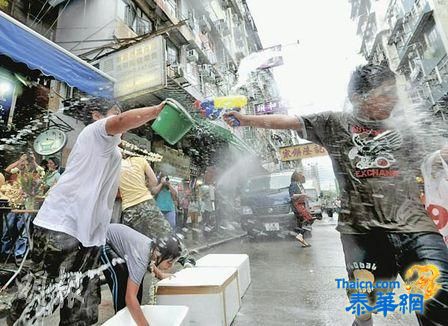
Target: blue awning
[24,45]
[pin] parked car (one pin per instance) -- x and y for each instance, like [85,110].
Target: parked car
[266,205]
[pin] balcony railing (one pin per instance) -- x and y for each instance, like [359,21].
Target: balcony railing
[169,9]
[415,25]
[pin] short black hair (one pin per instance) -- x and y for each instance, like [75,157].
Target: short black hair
[169,248]
[55,160]
[101,105]
[368,77]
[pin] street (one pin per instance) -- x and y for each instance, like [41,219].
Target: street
[296,286]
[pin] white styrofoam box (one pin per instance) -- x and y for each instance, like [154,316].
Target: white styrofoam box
[212,294]
[239,261]
[156,315]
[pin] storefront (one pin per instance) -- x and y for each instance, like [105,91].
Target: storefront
[175,163]
[28,64]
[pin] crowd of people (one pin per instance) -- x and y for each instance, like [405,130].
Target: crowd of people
[32,180]
[71,230]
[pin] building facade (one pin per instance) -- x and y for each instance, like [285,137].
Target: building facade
[186,50]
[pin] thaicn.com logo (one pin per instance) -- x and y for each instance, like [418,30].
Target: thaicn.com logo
[368,295]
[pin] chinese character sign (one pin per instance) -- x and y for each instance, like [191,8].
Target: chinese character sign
[138,68]
[292,153]
[270,107]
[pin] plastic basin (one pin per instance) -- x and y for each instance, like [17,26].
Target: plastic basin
[173,122]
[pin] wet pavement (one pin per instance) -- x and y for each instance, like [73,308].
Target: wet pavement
[290,285]
[296,286]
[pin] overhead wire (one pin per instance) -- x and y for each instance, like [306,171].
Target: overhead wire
[57,18]
[40,11]
[39,20]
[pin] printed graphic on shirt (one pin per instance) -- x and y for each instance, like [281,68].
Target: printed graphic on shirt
[372,155]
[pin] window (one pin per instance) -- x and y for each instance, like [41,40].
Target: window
[433,36]
[134,17]
[172,54]
[269,182]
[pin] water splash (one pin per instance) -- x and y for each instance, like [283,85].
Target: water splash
[266,58]
[48,297]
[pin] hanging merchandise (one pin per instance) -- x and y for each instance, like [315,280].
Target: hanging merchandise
[133,150]
[214,107]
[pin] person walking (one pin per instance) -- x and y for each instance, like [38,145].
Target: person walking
[300,206]
[376,161]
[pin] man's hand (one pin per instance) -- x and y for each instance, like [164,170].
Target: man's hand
[160,274]
[236,115]
[166,275]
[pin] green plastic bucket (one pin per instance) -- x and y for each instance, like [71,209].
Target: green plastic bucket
[173,122]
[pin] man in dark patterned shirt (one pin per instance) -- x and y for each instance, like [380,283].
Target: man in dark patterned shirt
[384,227]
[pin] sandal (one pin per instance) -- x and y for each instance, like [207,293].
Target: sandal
[302,241]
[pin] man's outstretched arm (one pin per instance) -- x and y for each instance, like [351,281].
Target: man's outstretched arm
[131,119]
[273,121]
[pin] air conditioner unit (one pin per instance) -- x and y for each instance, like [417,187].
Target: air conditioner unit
[180,76]
[414,74]
[175,71]
[206,69]
[192,55]
[179,72]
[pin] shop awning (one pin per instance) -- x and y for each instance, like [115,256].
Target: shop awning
[226,135]
[24,45]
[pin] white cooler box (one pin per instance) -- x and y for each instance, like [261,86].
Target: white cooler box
[212,294]
[239,261]
[157,316]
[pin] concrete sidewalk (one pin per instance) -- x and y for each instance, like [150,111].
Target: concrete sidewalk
[197,239]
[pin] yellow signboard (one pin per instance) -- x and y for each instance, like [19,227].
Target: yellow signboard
[292,153]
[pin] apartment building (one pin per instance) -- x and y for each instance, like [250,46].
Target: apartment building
[186,50]
[412,37]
